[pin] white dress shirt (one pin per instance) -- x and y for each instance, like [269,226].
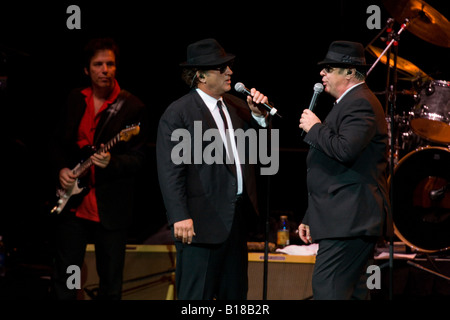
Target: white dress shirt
[211,103]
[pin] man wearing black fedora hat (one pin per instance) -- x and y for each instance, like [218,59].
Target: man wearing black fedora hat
[346,176]
[208,204]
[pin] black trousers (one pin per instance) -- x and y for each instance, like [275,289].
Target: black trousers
[71,237]
[215,271]
[340,268]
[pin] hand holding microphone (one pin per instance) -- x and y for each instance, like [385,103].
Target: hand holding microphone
[308,118]
[255,100]
[239,87]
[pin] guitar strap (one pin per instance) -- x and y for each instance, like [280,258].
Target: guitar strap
[112,111]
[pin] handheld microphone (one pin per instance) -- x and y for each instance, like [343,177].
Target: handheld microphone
[318,88]
[239,87]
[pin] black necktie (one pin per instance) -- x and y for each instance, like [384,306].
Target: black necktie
[222,114]
[228,142]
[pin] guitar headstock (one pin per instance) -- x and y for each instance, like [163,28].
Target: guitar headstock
[129,132]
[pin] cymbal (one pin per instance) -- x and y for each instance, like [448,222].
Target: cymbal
[425,21]
[409,69]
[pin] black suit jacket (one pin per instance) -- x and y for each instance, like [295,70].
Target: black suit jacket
[346,169]
[114,184]
[203,192]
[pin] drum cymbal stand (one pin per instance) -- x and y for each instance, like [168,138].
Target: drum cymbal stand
[391,91]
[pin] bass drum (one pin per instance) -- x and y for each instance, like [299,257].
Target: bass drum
[421,199]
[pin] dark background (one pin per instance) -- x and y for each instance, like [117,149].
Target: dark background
[277,43]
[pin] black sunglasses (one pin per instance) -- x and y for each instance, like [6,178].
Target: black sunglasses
[328,68]
[223,67]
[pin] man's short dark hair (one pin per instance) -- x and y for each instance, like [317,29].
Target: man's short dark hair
[98,44]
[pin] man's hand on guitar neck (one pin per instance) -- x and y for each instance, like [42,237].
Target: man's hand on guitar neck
[101,159]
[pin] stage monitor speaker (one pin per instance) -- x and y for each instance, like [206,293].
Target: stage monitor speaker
[288,276]
[149,273]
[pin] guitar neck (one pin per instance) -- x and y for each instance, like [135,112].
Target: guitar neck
[83,166]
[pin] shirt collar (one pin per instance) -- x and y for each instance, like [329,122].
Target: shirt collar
[210,102]
[112,97]
[348,90]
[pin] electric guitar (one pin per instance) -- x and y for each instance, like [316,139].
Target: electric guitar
[63,194]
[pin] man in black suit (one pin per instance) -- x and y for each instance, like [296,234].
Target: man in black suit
[207,203]
[93,116]
[346,176]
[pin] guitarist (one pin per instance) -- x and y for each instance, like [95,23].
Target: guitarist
[101,214]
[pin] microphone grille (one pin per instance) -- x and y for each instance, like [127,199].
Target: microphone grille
[239,87]
[318,87]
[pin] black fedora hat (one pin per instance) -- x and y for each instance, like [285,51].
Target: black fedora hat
[206,53]
[345,54]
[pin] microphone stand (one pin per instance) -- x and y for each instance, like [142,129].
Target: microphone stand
[267,222]
[391,91]
[395,39]
[392,106]
[389,23]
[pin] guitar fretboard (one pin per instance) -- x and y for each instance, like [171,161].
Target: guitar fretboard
[79,170]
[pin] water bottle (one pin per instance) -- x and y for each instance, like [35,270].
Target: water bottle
[283,232]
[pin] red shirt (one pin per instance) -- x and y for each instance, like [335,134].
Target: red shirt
[88,208]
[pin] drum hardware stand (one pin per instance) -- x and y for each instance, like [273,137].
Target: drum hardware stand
[391,92]
[418,266]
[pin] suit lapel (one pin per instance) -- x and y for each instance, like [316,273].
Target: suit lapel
[339,108]
[203,109]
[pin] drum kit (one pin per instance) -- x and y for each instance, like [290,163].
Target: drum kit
[420,136]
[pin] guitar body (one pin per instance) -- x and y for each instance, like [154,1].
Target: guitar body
[72,198]
[75,195]
[68,199]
